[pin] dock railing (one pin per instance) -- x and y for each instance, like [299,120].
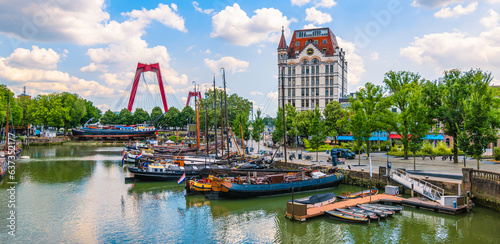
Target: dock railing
[422,187]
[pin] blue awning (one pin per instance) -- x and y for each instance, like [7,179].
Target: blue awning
[351,138]
[345,138]
[434,137]
[378,138]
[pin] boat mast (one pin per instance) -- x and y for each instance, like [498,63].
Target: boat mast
[225,107]
[206,122]
[222,127]
[242,141]
[215,117]
[197,122]
[283,107]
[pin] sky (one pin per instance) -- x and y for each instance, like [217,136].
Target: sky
[92,47]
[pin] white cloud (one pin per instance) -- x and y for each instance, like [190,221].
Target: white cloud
[374,56]
[230,64]
[317,3]
[356,66]
[259,51]
[234,26]
[317,17]
[434,3]
[190,48]
[326,3]
[92,67]
[205,11]
[492,20]
[299,2]
[36,58]
[207,51]
[47,81]
[163,13]
[457,49]
[456,11]
[310,26]
[255,93]
[83,22]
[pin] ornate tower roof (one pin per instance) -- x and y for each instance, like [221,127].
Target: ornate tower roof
[282,44]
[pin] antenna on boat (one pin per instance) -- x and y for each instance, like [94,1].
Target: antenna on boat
[225,108]
[215,117]
[85,125]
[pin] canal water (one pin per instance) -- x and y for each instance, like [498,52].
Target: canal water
[77,194]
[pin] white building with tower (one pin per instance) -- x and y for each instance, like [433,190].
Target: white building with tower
[314,69]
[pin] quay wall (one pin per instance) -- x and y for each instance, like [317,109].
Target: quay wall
[484,186]
[379,178]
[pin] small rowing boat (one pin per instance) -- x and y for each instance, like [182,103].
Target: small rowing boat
[369,215]
[379,213]
[346,217]
[396,209]
[372,209]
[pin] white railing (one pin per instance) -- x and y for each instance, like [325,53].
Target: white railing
[422,187]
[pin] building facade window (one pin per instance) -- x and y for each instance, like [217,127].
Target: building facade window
[297,44]
[324,41]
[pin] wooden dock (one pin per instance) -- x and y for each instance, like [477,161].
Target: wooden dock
[302,214]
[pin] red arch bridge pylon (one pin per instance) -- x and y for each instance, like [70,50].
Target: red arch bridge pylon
[145,68]
[193,94]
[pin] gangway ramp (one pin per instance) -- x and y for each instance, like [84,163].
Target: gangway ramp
[422,187]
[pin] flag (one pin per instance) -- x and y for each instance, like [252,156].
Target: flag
[371,166]
[139,156]
[123,156]
[182,179]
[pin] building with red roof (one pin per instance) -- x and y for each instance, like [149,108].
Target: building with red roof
[313,68]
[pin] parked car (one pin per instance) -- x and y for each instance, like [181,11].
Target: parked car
[343,153]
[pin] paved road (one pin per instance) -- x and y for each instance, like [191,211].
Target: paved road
[380,159]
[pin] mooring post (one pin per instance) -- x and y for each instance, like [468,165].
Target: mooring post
[292,205]
[468,198]
[412,190]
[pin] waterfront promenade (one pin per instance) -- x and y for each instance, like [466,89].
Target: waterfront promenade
[437,166]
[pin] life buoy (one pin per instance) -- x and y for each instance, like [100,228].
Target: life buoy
[397,192]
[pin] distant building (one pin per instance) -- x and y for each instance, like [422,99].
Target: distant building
[24,94]
[315,69]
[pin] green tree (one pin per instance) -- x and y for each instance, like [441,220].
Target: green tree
[91,112]
[480,120]
[156,115]
[187,115]
[291,125]
[258,129]
[334,123]
[126,117]
[24,102]
[419,121]
[317,131]
[172,118]
[109,118]
[447,101]
[303,120]
[140,116]
[400,86]
[278,129]
[367,113]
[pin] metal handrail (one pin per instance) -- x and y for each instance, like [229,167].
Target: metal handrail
[429,190]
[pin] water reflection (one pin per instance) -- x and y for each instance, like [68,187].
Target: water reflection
[85,199]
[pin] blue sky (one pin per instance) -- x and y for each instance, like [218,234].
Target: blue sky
[92,47]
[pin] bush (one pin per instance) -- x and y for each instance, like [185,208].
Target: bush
[321,148]
[427,149]
[497,154]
